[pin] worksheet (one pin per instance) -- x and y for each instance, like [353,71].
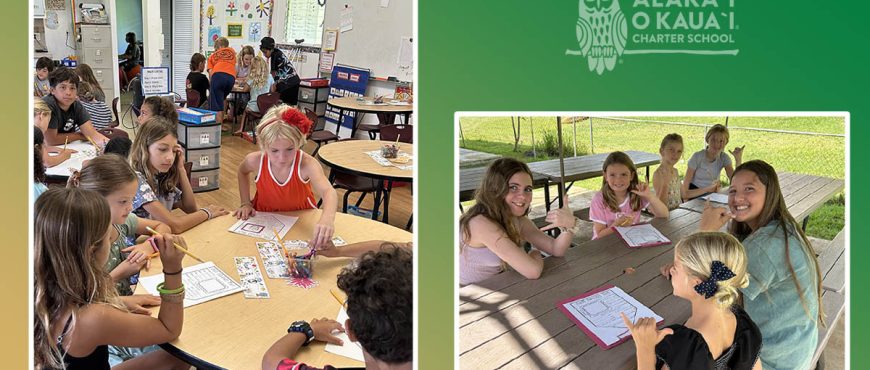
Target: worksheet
[642,235]
[349,349]
[202,283]
[264,225]
[597,314]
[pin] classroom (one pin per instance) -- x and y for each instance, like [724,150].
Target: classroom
[232,168]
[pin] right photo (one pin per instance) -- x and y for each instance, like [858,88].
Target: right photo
[651,240]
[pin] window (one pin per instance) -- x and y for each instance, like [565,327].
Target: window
[304,21]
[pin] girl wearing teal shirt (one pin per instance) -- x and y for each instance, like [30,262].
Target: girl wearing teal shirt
[783,296]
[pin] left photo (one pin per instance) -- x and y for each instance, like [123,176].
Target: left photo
[217,183]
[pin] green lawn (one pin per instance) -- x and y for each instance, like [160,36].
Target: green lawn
[816,155]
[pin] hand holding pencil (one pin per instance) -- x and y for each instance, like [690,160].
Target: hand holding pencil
[172,249]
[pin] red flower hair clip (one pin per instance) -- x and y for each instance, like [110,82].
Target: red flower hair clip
[297,119]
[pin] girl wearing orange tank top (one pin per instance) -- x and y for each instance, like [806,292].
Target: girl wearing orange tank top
[285,175]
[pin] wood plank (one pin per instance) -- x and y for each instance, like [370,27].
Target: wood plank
[835,281]
[807,207]
[834,306]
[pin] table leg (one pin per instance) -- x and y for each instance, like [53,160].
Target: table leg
[386,218]
[377,204]
[547,195]
[647,174]
[407,118]
[804,223]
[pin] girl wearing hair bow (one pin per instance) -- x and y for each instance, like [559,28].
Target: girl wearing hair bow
[285,175]
[708,270]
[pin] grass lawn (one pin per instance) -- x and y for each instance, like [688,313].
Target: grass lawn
[816,155]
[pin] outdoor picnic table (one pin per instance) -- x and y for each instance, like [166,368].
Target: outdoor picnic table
[803,194]
[511,322]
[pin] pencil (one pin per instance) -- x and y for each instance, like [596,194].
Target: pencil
[152,255]
[281,243]
[184,250]
[97,147]
[65,141]
[335,295]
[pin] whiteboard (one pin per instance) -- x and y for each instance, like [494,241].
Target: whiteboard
[376,37]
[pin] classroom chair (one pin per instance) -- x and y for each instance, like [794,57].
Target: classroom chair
[116,103]
[193,98]
[404,133]
[321,136]
[354,184]
[264,102]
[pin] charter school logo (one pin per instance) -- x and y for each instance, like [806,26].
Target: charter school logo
[606,33]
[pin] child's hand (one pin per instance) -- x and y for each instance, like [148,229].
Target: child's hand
[625,220]
[245,211]
[217,211]
[666,270]
[644,332]
[127,268]
[328,249]
[714,187]
[140,254]
[179,156]
[169,255]
[323,329]
[714,218]
[643,190]
[322,233]
[561,217]
[737,153]
[137,303]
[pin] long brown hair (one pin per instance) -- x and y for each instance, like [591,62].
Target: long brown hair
[87,75]
[775,210]
[607,192]
[69,228]
[152,131]
[490,198]
[163,107]
[104,174]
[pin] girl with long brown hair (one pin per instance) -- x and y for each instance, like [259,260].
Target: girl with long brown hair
[622,197]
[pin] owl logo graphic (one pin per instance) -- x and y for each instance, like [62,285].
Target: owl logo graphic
[601,33]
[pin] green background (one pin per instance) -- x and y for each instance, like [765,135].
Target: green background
[506,56]
[510,56]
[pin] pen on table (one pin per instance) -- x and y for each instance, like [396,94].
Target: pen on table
[182,249]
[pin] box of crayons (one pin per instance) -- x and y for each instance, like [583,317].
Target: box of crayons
[195,115]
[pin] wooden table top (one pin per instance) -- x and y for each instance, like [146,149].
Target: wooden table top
[85,150]
[803,193]
[588,166]
[513,322]
[234,332]
[351,103]
[349,156]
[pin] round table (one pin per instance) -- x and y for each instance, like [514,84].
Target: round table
[60,173]
[233,332]
[366,105]
[350,157]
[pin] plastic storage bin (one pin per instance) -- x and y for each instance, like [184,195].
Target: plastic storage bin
[205,180]
[318,108]
[204,159]
[313,94]
[197,136]
[206,116]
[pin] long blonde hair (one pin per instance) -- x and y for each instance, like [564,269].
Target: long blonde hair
[69,228]
[258,75]
[775,210]
[607,192]
[490,198]
[283,122]
[697,253]
[153,130]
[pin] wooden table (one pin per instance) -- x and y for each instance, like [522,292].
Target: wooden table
[353,104]
[803,194]
[349,157]
[233,332]
[61,172]
[511,322]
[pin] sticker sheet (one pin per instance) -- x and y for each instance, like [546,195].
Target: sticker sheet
[273,260]
[251,278]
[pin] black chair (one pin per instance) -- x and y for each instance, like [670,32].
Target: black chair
[264,103]
[321,136]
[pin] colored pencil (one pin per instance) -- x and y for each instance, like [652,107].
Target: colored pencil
[182,249]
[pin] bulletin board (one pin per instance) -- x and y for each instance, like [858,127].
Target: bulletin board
[242,22]
[374,34]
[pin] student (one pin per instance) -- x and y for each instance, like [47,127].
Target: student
[44,159]
[67,113]
[41,87]
[222,68]
[39,153]
[131,58]
[86,74]
[705,166]
[101,115]
[260,82]
[493,230]
[119,145]
[163,182]
[244,59]
[708,271]
[77,312]
[196,80]
[783,296]
[380,315]
[285,175]
[41,118]
[41,114]
[158,106]
[666,178]
[286,79]
[243,70]
[622,197]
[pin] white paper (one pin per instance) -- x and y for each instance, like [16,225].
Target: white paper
[330,39]
[85,151]
[599,312]
[327,60]
[641,235]
[406,52]
[155,81]
[347,18]
[264,225]
[202,283]
[349,349]
[716,197]
[402,159]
